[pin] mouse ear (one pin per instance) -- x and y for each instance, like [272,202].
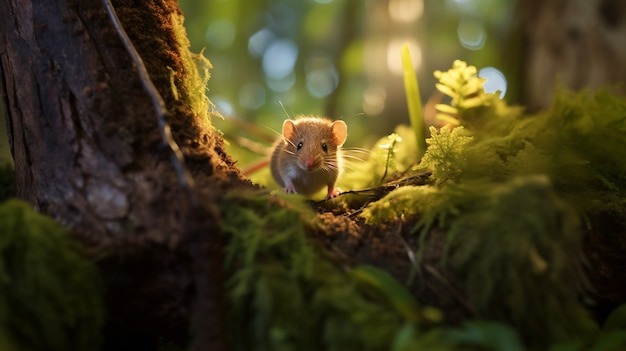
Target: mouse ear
[288,129]
[340,132]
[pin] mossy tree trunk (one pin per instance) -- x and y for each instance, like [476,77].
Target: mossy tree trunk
[91,144]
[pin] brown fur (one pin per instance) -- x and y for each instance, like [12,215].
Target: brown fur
[308,169]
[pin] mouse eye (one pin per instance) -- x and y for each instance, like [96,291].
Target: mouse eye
[325,147]
[299,146]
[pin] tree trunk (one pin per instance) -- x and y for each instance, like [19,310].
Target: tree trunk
[92,148]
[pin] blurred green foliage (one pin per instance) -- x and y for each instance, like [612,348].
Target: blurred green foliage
[337,58]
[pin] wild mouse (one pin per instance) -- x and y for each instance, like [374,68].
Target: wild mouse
[307,157]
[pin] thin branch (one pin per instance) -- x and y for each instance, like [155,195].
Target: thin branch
[357,199]
[458,295]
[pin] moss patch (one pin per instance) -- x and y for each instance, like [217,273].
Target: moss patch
[50,295]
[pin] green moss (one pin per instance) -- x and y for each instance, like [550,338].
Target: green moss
[193,88]
[518,248]
[515,246]
[50,295]
[400,203]
[584,135]
[285,295]
[574,143]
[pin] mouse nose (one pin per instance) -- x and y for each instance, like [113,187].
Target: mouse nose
[309,163]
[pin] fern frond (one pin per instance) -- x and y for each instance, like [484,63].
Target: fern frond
[444,154]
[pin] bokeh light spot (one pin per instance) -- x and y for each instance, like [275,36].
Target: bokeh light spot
[280,58]
[406,11]
[259,41]
[374,100]
[220,34]
[252,95]
[394,58]
[472,34]
[496,81]
[222,105]
[321,76]
[283,84]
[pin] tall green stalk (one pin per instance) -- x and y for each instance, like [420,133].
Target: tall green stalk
[413,100]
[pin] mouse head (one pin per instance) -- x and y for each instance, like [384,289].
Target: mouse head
[314,141]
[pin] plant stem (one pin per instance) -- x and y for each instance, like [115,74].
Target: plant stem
[413,100]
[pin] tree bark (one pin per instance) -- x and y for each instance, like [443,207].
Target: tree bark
[92,149]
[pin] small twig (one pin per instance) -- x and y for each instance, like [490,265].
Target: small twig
[377,192]
[410,255]
[178,160]
[253,146]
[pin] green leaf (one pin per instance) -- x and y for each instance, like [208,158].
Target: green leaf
[446,90]
[492,335]
[404,338]
[393,291]
[567,346]
[413,100]
[448,119]
[617,319]
[613,340]
[446,109]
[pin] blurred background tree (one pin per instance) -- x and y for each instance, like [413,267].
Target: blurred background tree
[573,43]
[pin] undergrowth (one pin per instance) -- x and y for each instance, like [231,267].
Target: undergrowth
[286,294]
[512,195]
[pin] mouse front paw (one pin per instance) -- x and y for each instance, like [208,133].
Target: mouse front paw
[333,192]
[289,188]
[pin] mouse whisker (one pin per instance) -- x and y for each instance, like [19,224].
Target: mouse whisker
[352,166]
[353,159]
[326,170]
[359,156]
[331,169]
[357,150]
